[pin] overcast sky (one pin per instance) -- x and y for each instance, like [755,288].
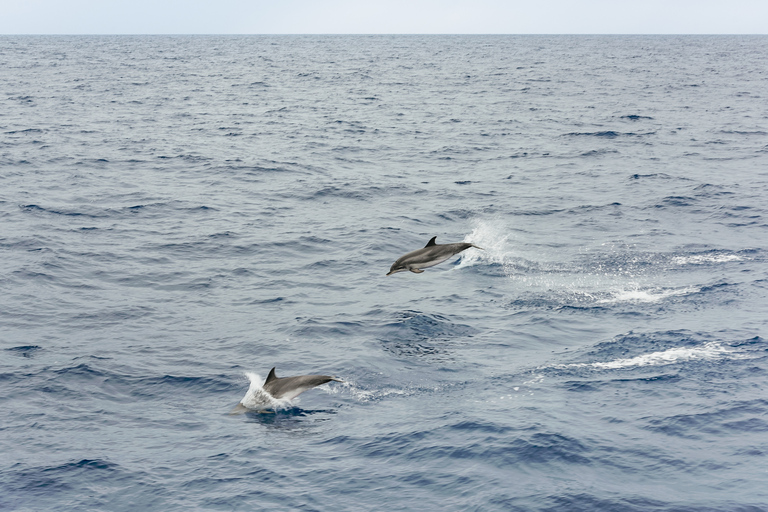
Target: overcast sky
[383,17]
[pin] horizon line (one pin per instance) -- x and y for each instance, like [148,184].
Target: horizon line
[369,34]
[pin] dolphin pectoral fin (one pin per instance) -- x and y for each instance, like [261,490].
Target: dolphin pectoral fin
[239,409]
[416,270]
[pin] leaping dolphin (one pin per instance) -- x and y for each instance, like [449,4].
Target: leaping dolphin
[428,256]
[278,388]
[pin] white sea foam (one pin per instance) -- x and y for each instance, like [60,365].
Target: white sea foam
[372,395]
[708,351]
[700,259]
[646,295]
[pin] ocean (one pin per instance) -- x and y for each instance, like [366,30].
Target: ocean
[180,214]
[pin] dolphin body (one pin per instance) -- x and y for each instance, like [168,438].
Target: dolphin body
[280,388]
[288,388]
[428,256]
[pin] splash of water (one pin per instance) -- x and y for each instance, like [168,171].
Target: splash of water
[491,237]
[257,399]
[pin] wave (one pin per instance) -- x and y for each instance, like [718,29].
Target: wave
[608,134]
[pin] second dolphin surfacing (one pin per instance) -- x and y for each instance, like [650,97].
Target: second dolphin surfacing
[276,392]
[428,256]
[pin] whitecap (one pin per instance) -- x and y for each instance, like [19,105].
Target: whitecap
[700,259]
[708,351]
[647,295]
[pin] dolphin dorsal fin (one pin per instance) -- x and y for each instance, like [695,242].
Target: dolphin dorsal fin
[271,376]
[431,242]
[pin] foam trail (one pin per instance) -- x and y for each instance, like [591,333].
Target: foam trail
[701,259]
[638,295]
[710,350]
[673,355]
[362,395]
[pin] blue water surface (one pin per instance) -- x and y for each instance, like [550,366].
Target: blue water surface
[180,212]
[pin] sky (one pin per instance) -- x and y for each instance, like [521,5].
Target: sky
[383,16]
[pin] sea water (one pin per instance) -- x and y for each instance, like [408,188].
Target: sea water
[180,214]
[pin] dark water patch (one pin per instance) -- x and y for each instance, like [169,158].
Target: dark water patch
[560,302]
[289,418]
[599,380]
[347,191]
[733,418]
[57,211]
[657,175]
[58,478]
[586,502]
[635,117]
[23,99]
[28,351]
[710,190]
[743,132]
[414,349]
[186,158]
[598,152]
[101,379]
[104,213]
[676,202]
[409,325]
[102,317]
[608,134]
[722,286]
[82,370]
[313,328]
[415,334]
[168,386]
[529,450]
[487,427]
[85,484]
[154,208]
[272,301]
[25,131]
